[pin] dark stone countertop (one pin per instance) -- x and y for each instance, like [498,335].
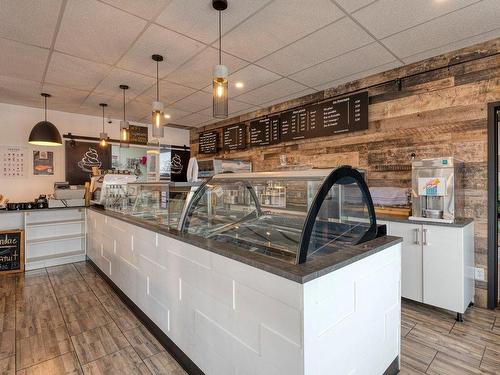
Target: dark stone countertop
[458,223]
[320,264]
[39,210]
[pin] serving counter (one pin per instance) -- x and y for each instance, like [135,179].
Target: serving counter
[229,302]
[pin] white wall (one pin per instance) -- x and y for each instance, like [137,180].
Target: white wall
[16,123]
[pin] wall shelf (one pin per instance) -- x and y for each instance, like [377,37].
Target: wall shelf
[55,238]
[55,222]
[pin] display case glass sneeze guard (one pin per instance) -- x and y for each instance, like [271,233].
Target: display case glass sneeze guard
[292,216]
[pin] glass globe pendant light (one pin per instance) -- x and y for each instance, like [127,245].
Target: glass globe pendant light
[45,133]
[124,125]
[220,77]
[157,114]
[103,137]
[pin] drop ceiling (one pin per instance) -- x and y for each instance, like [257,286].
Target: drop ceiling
[81,50]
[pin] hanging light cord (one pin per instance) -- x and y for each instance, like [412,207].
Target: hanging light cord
[45,99]
[123,105]
[157,83]
[103,119]
[220,38]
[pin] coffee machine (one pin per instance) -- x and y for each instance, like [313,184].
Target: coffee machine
[437,193]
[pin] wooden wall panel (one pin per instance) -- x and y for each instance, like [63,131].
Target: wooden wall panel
[433,108]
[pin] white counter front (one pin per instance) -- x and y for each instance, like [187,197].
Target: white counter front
[232,318]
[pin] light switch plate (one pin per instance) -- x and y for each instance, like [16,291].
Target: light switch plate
[479,273]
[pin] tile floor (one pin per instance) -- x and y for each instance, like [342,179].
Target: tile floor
[67,320]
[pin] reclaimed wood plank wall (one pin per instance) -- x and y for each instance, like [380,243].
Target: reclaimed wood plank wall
[433,108]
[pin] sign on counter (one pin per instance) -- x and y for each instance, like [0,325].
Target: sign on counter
[11,251]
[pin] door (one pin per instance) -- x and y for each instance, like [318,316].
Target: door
[411,259]
[443,266]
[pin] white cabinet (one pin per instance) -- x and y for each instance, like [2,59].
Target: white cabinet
[411,259]
[437,264]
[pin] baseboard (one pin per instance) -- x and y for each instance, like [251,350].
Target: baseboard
[393,368]
[187,364]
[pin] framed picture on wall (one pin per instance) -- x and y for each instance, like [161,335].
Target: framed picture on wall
[43,163]
[81,157]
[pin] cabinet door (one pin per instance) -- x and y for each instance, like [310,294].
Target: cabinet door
[443,267]
[411,259]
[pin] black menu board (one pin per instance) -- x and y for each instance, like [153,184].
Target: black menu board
[138,135]
[265,131]
[234,137]
[11,251]
[208,142]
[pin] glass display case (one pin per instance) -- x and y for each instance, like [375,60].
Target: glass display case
[158,202]
[292,215]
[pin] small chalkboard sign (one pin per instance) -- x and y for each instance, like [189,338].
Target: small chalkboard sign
[138,135]
[11,251]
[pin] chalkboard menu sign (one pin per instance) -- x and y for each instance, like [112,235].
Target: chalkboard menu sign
[138,135]
[11,251]
[208,142]
[265,131]
[234,137]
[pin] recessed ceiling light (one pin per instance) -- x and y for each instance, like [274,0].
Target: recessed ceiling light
[167,116]
[239,85]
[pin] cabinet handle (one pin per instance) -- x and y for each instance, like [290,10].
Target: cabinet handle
[417,235]
[424,236]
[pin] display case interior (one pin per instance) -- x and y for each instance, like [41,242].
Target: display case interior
[291,216]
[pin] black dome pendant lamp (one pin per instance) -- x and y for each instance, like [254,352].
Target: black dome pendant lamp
[45,133]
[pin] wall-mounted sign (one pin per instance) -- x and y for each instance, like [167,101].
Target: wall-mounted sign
[208,142]
[43,163]
[265,131]
[178,165]
[13,161]
[81,157]
[138,135]
[11,251]
[234,137]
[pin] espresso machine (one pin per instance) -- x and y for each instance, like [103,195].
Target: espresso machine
[437,193]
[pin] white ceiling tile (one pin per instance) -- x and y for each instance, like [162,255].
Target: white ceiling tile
[27,21]
[278,24]
[20,91]
[175,114]
[252,77]
[145,9]
[169,93]
[359,75]
[75,73]
[197,72]
[333,40]
[64,97]
[96,31]
[386,17]
[352,5]
[200,21]
[271,91]
[174,47]
[137,83]
[288,97]
[467,42]
[114,102]
[234,107]
[447,29]
[195,102]
[350,63]
[195,119]
[22,61]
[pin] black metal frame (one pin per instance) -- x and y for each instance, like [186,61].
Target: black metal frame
[492,204]
[332,179]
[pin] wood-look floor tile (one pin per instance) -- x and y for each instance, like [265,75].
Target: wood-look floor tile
[7,312]
[84,268]
[75,302]
[163,364]
[8,366]
[61,269]
[415,355]
[409,371]
[7,344]
[480,317]
[70,288]
[99,342]
[437,320]
[125,361]
[143,342]
[491,361]
[453,346]
[406,327]
[31,323]
[122,316]
[39,348]
[85,320]
[446,365]
[30,278]
[99,286]
[7,284]
[34,292]
[473,333]
[66,364]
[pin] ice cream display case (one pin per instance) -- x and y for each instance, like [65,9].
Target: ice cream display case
[289,215]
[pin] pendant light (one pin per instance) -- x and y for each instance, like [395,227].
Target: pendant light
[220,84]
[124,125]
[103,137]
[45,133]
[157,113]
